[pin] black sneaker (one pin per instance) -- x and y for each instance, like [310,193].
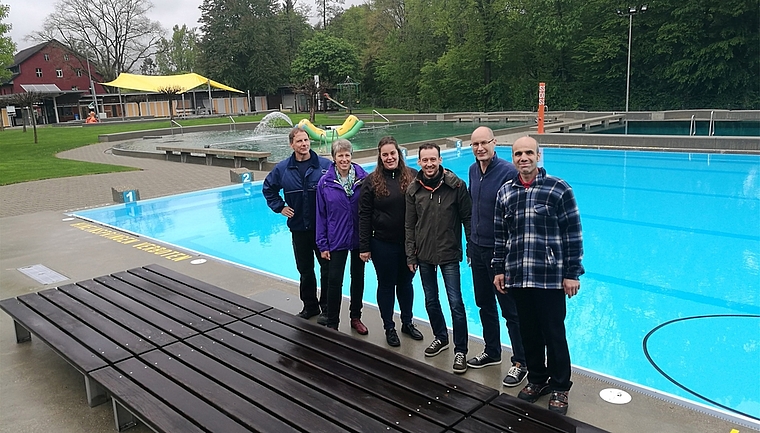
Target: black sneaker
[533,391]
[392,338]
[459,365]
[322,319]
[412,331]
[436,347]
[308,314]
[515,375]
[483,360]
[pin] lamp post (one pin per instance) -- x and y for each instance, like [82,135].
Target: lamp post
[92,85]
[630,12]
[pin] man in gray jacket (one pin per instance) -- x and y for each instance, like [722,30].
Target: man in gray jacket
[438,206]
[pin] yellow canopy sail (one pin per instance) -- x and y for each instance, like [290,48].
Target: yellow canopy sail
[156,83]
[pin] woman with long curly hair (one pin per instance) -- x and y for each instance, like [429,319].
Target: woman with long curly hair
[382,209]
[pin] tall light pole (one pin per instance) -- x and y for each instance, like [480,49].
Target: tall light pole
[630,12]
[92,85]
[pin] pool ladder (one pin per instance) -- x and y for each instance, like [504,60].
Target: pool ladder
[710,128]
[233,126]
[174,122]
[378,113]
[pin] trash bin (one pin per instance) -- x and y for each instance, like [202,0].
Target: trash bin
[76,116]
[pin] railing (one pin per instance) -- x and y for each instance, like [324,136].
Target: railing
[693,126]
[232,125]
[376,112]
[174,122]
[711,128]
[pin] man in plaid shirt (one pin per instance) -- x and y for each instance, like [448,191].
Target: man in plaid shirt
[537,256]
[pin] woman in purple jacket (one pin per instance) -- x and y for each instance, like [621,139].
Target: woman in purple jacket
[338,232]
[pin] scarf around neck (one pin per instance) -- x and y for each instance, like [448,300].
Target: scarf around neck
[346,182]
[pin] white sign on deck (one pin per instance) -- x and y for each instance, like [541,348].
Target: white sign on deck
[42,274]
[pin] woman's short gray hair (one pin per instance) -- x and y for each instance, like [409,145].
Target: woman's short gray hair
[341,145]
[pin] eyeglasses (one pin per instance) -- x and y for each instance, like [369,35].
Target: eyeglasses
[482,143]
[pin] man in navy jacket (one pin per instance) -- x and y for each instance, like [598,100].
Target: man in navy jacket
[297,178]
[487,175]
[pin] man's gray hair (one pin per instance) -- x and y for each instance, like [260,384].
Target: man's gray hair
[341,145]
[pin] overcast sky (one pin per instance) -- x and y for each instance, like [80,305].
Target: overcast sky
[27,16]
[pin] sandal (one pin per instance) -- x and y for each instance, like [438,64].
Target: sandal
[533,391]
[558,402]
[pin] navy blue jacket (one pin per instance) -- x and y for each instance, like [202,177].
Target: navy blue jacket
[300,193]
[483,190]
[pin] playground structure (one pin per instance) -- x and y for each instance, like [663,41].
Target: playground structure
[348,129]
[348,94]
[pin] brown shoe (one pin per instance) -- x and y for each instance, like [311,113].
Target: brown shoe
[359,326]
[533,391]
[558,402]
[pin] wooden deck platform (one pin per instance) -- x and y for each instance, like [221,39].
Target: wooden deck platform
[180,355]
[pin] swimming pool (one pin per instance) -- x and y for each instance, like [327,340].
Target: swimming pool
[671,298]
[275,140]
[736,128]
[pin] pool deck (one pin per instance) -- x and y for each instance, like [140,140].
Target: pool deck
[42,393]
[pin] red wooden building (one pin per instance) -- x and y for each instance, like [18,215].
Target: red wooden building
[61,74]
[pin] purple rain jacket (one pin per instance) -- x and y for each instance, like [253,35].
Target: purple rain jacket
[337,213]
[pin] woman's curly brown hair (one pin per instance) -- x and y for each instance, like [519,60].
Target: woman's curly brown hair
[376,178]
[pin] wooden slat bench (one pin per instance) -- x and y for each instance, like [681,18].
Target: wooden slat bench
[100,322]
[238,156]
[182,355]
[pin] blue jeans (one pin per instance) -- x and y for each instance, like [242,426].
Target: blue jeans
[394,280]
[450,273]
[486,297]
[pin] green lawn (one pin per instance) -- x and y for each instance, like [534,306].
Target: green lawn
[24,161]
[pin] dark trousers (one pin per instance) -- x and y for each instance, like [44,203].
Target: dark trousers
[336,269]
[486,297]
[452,283]
[305,249]
[542,325]
[394,280]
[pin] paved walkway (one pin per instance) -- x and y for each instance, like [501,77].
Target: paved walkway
[41,393]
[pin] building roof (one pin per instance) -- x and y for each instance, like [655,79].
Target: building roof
[29,52]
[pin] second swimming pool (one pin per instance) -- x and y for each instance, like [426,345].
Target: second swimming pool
[671,298]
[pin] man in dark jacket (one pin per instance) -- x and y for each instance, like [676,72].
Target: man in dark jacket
[438,206]
[487,175]
[297,178]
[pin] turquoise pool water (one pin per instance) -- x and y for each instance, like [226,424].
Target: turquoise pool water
[744,128]
[671,298]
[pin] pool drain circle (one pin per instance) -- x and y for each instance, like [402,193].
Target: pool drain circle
[615,396]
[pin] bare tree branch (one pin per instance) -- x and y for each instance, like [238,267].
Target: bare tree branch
[117,33]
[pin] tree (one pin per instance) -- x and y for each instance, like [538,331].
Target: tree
[117,33]
[148,67]
[329,9]
[243,44]
[177,56]
[331,58]
[26,101]
[7,47]
[295,25]
[170,92]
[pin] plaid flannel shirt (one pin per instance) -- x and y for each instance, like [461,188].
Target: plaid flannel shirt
[537,233]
